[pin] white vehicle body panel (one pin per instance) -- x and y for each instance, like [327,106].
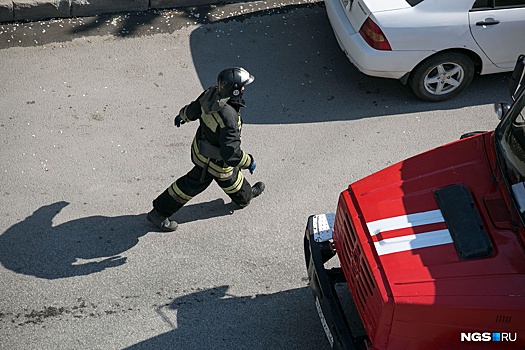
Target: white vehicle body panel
[415,33]
[510,30]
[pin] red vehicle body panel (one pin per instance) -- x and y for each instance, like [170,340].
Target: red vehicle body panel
[410,286]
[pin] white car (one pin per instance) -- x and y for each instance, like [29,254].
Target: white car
[436,46]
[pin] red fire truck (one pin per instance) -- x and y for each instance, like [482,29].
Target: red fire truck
[432,248]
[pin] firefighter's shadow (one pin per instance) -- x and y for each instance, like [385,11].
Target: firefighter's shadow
[204,210]
[215,319]
[78,247]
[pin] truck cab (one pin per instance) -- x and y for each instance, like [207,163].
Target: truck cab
[432,248]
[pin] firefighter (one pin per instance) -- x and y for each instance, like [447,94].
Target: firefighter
[215,151]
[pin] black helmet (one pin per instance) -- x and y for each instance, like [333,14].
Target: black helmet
[231,81]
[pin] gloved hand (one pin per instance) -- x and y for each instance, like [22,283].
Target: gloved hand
[178,121]
[252,166]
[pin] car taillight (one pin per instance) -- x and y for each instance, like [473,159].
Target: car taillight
[374,36]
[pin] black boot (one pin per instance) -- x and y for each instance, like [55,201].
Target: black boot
[161,222]
[257,189]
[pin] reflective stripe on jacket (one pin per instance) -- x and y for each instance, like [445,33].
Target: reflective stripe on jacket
[221,128]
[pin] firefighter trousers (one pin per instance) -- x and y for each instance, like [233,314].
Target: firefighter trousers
[190,185]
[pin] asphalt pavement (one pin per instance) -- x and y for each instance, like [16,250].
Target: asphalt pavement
[137,23]
[33,10]
[23,11]
[87,142]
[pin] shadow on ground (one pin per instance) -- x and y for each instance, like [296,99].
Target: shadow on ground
[205,210]
[83,246]
[302,75]
[213,319]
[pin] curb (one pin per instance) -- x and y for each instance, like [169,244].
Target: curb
[33,10]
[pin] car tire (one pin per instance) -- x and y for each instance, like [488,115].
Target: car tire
[442,76]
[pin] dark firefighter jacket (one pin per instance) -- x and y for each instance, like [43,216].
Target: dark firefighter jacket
[220,125]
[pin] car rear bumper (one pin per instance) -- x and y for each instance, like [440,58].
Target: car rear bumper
[379,63]
[322,283]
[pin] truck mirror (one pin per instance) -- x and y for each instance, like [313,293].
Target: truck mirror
[517,79]
[501,109]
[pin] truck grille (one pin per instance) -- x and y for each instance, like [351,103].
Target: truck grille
[357,266]
[356,269]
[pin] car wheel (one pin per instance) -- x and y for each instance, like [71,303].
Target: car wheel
[442,76]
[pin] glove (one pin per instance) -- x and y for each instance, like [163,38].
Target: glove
[178,121]
[252,166]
